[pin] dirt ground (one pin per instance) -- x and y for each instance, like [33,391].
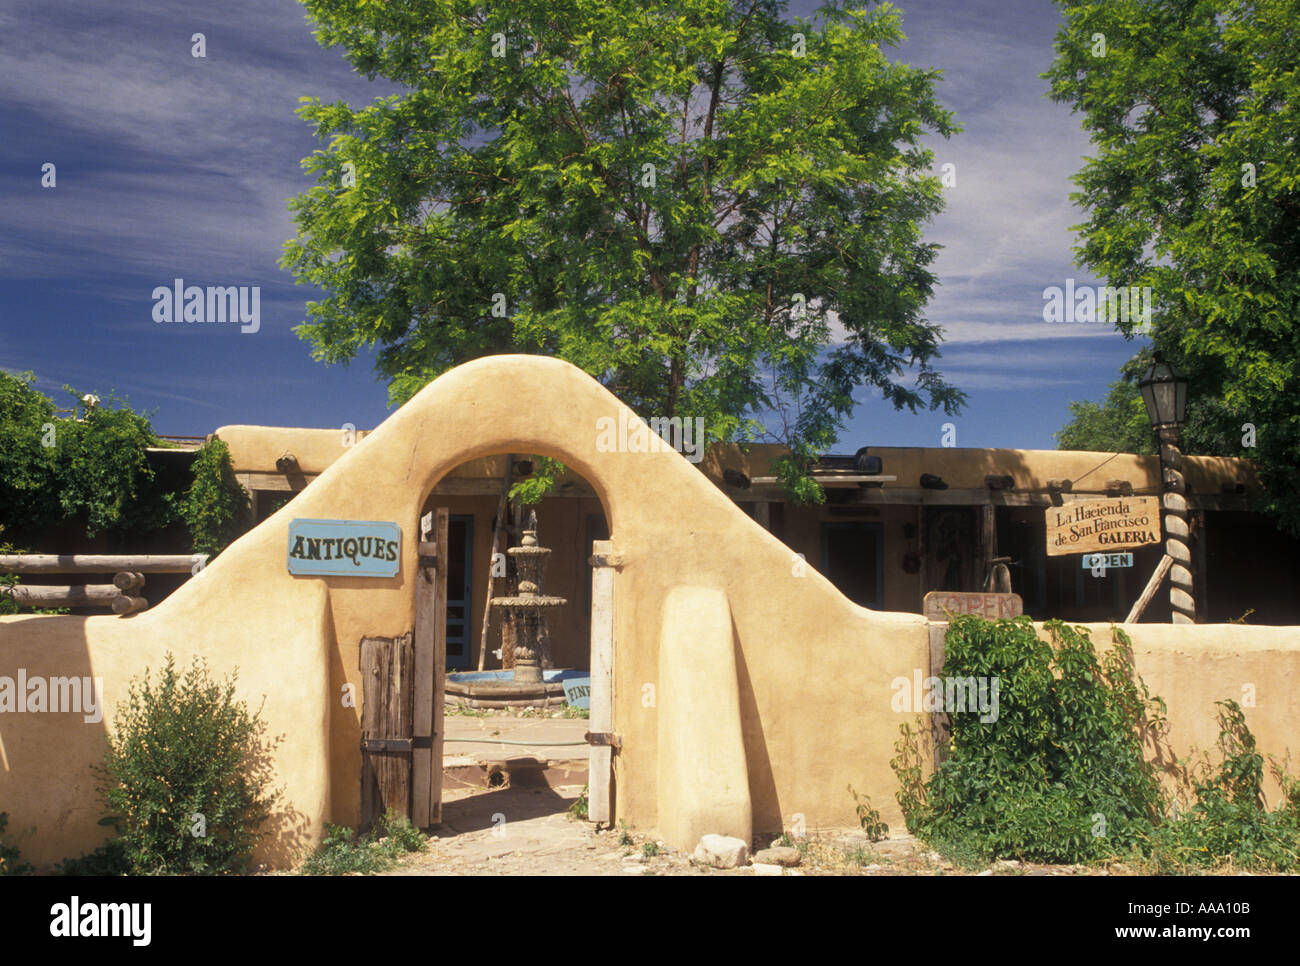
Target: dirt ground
[527,831]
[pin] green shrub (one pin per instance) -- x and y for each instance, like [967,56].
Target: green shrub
[185,777]
[344,852]
[1060,775]
[93,470]
[9,864]
[215,501]
[1230,820]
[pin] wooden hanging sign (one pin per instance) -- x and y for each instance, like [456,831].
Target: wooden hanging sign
[1089,526]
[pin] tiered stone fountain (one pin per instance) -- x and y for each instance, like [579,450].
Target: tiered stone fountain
[528,685]
[530,606]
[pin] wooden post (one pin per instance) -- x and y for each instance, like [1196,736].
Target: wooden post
[940,726]
[605,561]
[126,605]
[763,514]
[988,546]
[427,570]
[430,669]
[386,735]
[1152,586]
[439,665]
[492,560]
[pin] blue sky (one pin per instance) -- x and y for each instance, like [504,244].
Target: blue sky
[173,166]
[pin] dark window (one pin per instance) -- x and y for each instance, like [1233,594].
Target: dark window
[851,553]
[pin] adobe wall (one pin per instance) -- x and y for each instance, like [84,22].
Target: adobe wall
[803,684]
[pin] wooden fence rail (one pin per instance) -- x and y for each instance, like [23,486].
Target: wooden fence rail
[41,563]
[122,595]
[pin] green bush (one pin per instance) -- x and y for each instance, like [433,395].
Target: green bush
[92,471]
[344,852]
[9,864]
[215,501]
[185,777]
[1060,775]
[1230,820]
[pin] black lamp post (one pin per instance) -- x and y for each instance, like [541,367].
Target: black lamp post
[1164,391]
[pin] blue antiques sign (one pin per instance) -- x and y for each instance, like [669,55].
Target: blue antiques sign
[577,691]
[344,548]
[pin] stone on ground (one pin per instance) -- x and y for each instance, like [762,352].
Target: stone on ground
[721,852]
[778,855]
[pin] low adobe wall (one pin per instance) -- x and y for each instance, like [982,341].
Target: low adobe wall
[723,638]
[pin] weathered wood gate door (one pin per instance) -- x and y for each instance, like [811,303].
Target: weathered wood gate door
[402,700]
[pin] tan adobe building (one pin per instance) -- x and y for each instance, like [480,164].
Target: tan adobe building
[930,519]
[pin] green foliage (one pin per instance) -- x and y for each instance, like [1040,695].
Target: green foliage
[343,852]
[1118,425]
[215,500]
[1191,189]
[1230,820]
[186,776]
[869,818]
[1060,774]
[507,204]
[92,470]
[578,810]
[649,850]
[9,863]
[546,474]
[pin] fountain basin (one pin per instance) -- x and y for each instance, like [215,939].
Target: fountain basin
[498,689]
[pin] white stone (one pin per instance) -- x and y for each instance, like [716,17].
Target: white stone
[721,852]
[764,868]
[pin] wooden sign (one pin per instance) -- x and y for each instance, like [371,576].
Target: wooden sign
[938,604]
[1105,561]
[344,548]
[1107,525]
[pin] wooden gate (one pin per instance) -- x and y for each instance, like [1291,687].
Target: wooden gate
[402,698]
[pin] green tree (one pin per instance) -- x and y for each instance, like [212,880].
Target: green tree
[714,210]
[1194,111]
[92,470]
[214,504]
[1118,425]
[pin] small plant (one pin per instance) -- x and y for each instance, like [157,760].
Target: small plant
[343,852]
[578,810]
[9,864]
[869,818]
[785,841]
[624,835]
[185,777]
[861,856]
[649,850]
[571,712]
